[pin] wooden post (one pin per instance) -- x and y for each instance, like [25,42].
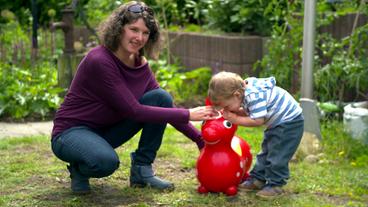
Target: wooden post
[68,61]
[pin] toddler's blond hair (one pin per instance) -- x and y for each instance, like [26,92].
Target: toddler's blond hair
[223,85]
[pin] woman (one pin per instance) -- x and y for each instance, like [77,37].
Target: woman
[114,95]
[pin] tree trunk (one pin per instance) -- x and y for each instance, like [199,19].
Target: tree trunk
[34,10]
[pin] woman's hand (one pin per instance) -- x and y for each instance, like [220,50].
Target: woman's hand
[202,113]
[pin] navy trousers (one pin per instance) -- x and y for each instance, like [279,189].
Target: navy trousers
[92,151]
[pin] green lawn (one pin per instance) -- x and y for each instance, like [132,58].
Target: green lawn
[30,175]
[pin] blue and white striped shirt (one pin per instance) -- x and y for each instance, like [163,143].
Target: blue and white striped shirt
[263,99]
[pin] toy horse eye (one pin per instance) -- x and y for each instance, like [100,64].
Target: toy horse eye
[227,124]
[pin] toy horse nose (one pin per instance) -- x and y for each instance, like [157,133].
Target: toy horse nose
[210,135]
[208,132]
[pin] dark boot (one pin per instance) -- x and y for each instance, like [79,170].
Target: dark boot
[79,183]
[143,175]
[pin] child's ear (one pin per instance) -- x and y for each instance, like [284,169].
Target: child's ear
[237,94]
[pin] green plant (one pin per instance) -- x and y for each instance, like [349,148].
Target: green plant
[12,38]
[283,57]
[347,70]
[23,10]
[193,89]
[192,28]
[340,147]
[187,88]
[168,11]
[340,65]
[95,11]
[180,12]
[28,93]
[252,16]
[27,89]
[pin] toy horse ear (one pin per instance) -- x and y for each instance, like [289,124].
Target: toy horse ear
[208,102]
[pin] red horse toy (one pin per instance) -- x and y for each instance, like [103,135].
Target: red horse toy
[225,160]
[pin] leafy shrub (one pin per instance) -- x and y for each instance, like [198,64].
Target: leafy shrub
[187,88]
[340,65]
[28,93]
[11,36]
[347,70]
[27,88]
[180,12]
[252,16]
[283,57]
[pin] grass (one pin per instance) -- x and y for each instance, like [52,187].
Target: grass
[31,175]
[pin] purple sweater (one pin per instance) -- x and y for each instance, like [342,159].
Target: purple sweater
[105,91]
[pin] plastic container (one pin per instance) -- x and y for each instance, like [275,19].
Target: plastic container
[356,120]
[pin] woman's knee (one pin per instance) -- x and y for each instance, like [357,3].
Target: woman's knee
[157,97]
[105,166]
[166,98]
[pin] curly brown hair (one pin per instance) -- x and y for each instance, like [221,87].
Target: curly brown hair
[110,30]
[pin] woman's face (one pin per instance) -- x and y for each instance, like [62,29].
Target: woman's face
[134,36]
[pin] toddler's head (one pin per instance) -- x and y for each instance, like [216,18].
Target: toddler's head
[226,90]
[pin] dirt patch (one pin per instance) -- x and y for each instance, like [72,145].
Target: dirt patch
[334,199]
[173,170]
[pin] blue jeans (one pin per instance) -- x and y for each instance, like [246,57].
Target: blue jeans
[92,151]
[278,147]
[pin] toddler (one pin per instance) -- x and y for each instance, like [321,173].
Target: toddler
[254,102]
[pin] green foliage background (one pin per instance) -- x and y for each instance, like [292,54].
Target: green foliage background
[25,92]
[340,65]
[345,70]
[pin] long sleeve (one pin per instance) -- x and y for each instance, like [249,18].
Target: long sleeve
[191,132]
[111,85]
[105,91]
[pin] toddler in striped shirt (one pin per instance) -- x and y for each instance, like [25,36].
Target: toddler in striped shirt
[255,102]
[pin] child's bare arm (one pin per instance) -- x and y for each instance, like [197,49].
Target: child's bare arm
[242,112]
[242,120]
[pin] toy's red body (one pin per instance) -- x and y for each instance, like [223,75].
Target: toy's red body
[224,161]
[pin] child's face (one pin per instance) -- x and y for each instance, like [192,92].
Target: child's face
[232,104]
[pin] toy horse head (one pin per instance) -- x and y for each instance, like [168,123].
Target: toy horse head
[218,129]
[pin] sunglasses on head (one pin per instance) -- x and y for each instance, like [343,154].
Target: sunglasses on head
[137,8]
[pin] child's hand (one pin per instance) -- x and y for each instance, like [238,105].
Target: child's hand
[230,116]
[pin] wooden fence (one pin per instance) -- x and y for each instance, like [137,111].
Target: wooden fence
[235,53]
[231,53]
[239,53]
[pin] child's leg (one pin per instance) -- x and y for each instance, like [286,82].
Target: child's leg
[258,170]
[282,142]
